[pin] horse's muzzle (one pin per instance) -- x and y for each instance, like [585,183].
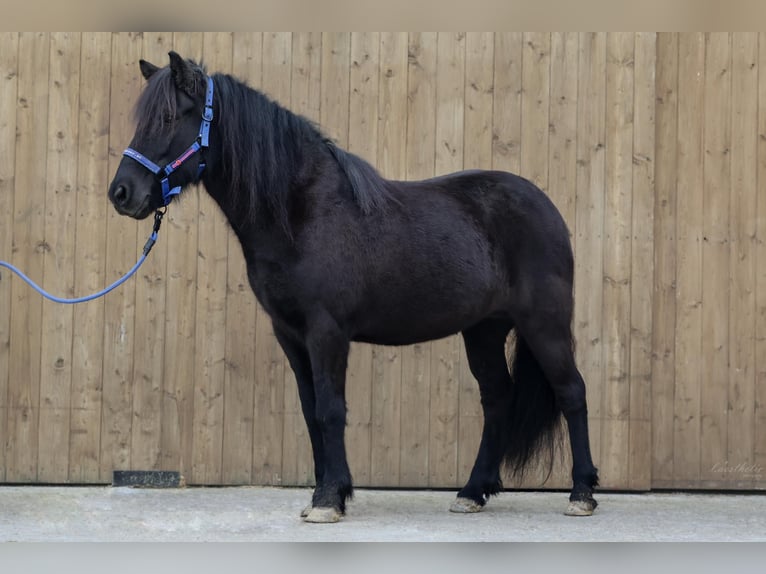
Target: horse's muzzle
[127,202]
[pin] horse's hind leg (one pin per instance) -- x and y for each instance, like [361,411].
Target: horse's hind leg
[485,349]
[547,332]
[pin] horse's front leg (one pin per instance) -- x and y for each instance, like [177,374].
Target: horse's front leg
[328,349]
[298,357]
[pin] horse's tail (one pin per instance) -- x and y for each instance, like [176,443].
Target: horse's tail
[534,420]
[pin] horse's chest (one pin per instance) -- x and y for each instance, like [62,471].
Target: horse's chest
[277,296]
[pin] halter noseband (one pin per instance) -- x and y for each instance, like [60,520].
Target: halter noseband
[199,144]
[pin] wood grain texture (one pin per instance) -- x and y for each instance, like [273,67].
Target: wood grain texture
[210,333]
[759,427]
[740,423]
[651,145]
[506,110]
[639,470]
[180,232]
[121,252]
[150,325]
[689,204]
[664,260]
[618,195]
[589,225]
[716,256]
[28,250]
[9,46]
[59,263]
[89,253]
[562,168]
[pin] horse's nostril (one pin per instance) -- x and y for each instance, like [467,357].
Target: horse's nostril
[120,194]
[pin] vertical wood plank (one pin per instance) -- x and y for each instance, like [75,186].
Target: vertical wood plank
[759,428]
[715,255]
[391,162]
[617,257]
[363,141]
[416,359]
[121,252]
[562,155]
[642,263]
[333,113]
[445,353]
[535,99]
[9,46]
[477,154]
[689,217]
[181,235]
[742,280]
[148,353]
[210,331]
[562,171]
[27,254]
[534,150]
[272,380]
[237,464]
[589,226]
[89,255]
[506,113]
[58,267]
[664,289]
[303,95]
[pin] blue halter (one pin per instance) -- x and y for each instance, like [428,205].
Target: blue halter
[200,143]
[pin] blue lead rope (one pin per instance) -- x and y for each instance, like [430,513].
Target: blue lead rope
[147,248]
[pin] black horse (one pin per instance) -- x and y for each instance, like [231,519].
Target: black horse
[335,253]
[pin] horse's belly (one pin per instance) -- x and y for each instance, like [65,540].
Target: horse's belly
[406,325]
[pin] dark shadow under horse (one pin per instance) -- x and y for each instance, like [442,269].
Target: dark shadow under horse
[335,253]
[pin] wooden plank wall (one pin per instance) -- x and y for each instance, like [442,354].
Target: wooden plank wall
[708,365]
[651,145]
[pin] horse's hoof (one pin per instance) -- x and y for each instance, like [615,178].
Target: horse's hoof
[580,508]
[465,506]
[321,515]
[305,511]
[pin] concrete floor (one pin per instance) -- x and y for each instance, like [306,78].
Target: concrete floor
[108,514]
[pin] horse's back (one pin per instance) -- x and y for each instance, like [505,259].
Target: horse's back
[510,211]
[453,250]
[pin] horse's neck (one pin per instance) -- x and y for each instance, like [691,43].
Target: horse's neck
[261,236]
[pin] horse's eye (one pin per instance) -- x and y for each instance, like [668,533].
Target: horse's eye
[168,118]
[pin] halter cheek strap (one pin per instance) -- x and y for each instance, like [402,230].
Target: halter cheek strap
[201,143]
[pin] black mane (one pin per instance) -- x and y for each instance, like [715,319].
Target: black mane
[262,141]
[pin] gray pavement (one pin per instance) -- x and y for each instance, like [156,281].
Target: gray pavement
[108,514]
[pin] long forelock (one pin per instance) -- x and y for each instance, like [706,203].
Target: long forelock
[156,102]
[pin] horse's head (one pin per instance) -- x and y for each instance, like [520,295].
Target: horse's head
[166,154]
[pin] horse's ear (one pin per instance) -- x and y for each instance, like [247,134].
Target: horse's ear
[185,74]
[147,69]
